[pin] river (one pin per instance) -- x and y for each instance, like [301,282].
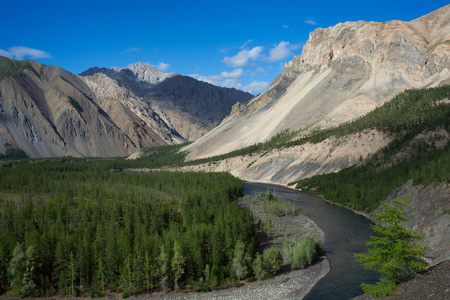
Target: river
[346,233]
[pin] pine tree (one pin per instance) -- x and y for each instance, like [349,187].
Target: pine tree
[147,272]
[178,262]
[240,261]
[258,267]
[29,276]
[72,273]
[17,268]
[394,253]
[163,261]
[100,274]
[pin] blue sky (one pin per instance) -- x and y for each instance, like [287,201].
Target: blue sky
[242,44]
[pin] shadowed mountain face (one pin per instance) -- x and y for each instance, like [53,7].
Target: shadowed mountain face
[344,72]
[192,107]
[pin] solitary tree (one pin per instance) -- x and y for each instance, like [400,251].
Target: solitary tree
[394,252]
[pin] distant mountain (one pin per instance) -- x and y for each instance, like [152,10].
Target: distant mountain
[192,107]
[138,77]
[344,72]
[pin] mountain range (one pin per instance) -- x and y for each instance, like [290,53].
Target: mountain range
[48,111]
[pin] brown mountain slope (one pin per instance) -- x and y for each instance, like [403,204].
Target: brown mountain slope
[344,72]
[47,111]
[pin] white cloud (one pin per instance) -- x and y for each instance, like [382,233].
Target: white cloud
[225,79]
[213,79]
[133,50]
[236,73]
[232,80]
[256,87]
[280,51]
[246,42]
[163,67]
[242,58]
[231,83]
[260,69]
[21,52]
[311,22]
[285,26]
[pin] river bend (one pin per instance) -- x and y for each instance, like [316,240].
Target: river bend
[346,233]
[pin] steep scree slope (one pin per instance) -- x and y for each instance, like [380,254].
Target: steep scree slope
[344,72]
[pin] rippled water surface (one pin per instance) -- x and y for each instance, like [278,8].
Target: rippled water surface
[345,234]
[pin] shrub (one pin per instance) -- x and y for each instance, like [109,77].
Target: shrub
[258,267]
[272,259]
[305,252]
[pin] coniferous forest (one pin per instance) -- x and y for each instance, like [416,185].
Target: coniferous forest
[68,226]
[412,113]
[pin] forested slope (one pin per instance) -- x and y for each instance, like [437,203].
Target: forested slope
[419,121]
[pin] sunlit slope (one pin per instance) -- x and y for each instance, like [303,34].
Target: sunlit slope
[344,72]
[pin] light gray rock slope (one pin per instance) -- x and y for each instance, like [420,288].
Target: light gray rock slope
[343,72]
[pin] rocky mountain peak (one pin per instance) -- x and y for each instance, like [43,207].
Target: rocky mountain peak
[420,46]
[146,73]
[138,77]
[344,72]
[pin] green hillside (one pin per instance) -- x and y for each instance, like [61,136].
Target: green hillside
[424,160]
[10,67]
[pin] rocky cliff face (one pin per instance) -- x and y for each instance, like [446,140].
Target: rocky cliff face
[344,72]
[191,107]
[47,111]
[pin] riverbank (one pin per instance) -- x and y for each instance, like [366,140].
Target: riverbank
[287,284]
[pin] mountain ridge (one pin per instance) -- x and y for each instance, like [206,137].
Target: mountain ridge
[194,107]
[344,72]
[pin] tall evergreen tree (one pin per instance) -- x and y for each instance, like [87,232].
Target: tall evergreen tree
[394,252]
[17,268]
[178,262]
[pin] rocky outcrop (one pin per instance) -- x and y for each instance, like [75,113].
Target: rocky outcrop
[344,72]
[193,107]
